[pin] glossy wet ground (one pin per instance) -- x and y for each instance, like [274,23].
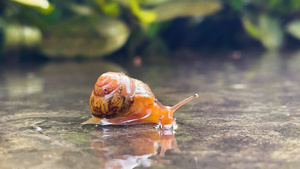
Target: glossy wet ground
[247,115]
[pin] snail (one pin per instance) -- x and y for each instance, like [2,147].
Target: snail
[120,100]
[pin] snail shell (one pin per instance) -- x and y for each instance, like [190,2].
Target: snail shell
[112,96]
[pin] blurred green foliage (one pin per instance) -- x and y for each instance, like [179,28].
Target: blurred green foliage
[95,28]
[265,20]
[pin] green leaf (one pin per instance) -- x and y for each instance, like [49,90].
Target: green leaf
[145,16]
[154,28]
[271,32]
[109,8]
[184,8]
[265,28]
[293,28]
[88,36]
[41,5]
[17,36]
[250,28]
[237,4]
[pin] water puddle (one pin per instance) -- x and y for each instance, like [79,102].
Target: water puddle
[246,116]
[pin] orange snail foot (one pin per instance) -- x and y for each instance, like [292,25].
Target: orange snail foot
[130,120]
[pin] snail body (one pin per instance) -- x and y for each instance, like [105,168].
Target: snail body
[120,100]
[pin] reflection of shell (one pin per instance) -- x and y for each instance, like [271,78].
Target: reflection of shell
[121,150]
[87,36]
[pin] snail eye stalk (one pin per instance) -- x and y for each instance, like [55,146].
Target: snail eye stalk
[175,107]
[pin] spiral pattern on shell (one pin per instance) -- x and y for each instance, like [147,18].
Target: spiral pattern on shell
[112,95]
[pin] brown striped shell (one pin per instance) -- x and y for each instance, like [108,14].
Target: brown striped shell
[112,96]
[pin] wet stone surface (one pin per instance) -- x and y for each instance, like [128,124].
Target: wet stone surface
[247,116]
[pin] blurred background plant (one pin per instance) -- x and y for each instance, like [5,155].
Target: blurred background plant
[35,29]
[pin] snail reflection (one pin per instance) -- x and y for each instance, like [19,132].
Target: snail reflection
[120,150]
